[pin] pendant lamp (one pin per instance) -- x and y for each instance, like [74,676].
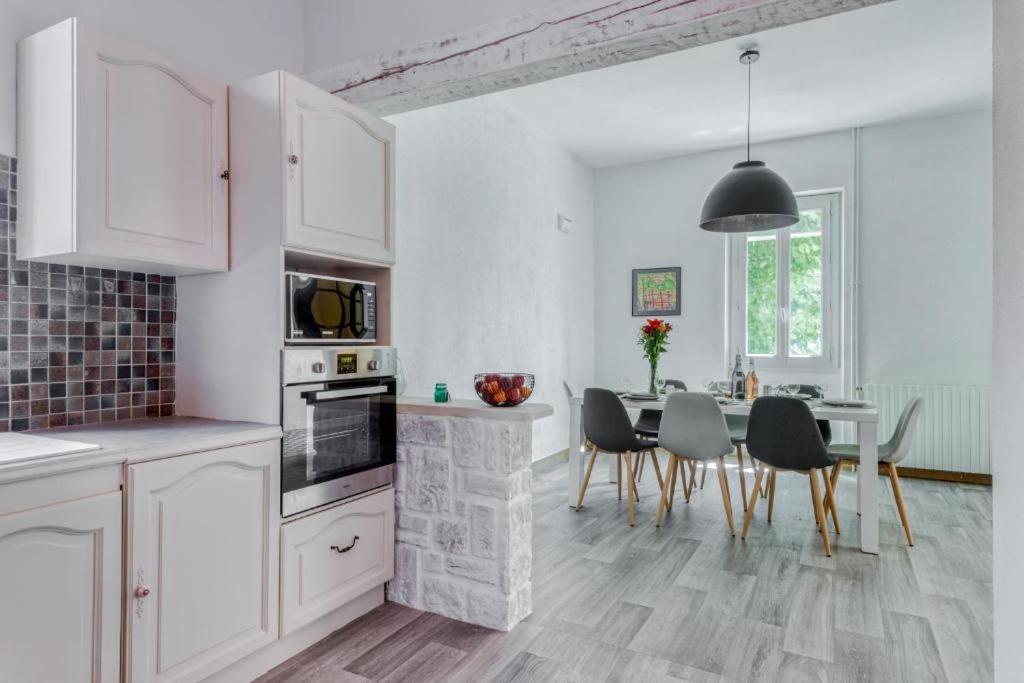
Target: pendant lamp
[751,197]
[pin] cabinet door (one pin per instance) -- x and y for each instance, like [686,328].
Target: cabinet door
[340,176]
[60,592]
[202,570]
[334,556]
[154,145]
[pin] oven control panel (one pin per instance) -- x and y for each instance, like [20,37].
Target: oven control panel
[316,364]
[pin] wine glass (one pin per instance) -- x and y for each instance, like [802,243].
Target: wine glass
[659,384]
[625,384]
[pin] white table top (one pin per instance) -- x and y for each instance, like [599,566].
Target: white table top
[822,412]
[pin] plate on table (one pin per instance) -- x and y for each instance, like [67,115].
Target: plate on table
[641,397]
[847,403]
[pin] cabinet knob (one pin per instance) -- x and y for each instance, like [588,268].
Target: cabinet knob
[225,175]
[293,159]
[319,367]
[141,592]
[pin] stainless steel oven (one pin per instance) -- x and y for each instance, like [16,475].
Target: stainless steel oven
[338,414]
[330,310]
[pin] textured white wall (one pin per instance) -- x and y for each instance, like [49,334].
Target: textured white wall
[484,281]
[1008,328]
[228,39]
[925,231]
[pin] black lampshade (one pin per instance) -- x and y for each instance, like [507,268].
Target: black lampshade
[749,198]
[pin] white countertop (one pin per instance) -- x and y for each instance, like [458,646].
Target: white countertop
[474,408]
[132,441]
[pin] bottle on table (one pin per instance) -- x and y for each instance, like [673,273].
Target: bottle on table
[738,382]
[751,382]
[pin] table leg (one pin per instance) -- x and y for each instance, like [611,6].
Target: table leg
[576,445]
[613,473]
[867,485]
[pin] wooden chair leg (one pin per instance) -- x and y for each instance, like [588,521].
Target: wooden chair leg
[771,493]
[723,481]
[673,466]
[657,468]
[753,499]
[703,473]
[693,477]
[830,500]
[631,482]
[819,511]
[618,472]
[663,503]
[897,492]
[743,476]
[640,465]
[586,478]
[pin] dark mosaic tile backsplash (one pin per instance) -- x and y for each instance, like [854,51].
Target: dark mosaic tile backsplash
[79,345]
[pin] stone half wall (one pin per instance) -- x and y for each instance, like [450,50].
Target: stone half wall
[463,546]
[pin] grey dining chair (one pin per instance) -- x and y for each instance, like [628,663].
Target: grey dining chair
[650,420]
[694,429]
[609,430]
[823,425]
[889,454]
[782,435]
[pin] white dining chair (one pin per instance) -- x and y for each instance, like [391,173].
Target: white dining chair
[694,430]
[889,454]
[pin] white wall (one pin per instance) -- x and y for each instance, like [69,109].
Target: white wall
[925,230]
[484,281]
[926,249]
[646,216]
[1008,327]
[227,39]
[340,31]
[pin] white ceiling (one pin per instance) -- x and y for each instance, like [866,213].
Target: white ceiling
[899,60]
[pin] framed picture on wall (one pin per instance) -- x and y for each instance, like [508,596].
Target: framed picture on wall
[657,291]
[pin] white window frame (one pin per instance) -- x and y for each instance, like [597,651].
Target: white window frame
[831,203]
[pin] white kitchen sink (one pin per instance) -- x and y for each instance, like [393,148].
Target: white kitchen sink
[16,447]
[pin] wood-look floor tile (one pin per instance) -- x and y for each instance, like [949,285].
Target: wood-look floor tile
[808,630]
[911,649]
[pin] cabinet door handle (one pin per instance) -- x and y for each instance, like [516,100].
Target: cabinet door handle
[346,548]
[225,175]
[293,159]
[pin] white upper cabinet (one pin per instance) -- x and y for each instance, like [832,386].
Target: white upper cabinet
[60,580]
[341,171]
[121,156]
[202,565]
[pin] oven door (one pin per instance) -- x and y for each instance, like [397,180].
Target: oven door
[323,309]
[339,440]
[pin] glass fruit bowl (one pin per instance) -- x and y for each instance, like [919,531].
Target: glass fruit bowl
[503,388]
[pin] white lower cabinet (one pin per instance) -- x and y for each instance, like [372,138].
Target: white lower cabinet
[60,592]
[202,577]
[334,556]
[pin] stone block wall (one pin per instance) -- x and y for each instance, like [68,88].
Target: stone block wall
[464,518]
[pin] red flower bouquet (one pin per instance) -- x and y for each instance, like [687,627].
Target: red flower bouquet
[654,340]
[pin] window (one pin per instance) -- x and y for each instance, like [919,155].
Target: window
[784,288]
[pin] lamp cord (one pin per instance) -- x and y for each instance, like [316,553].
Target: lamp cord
[749,64]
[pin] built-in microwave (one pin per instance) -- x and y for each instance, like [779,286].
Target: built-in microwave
[326,310]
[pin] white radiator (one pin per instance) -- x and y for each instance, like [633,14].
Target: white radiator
[952,434]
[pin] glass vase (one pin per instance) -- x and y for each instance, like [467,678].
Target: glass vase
[653,385]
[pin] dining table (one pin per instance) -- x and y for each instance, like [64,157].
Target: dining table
[866,419]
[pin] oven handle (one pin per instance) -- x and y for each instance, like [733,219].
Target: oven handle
[345,393]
